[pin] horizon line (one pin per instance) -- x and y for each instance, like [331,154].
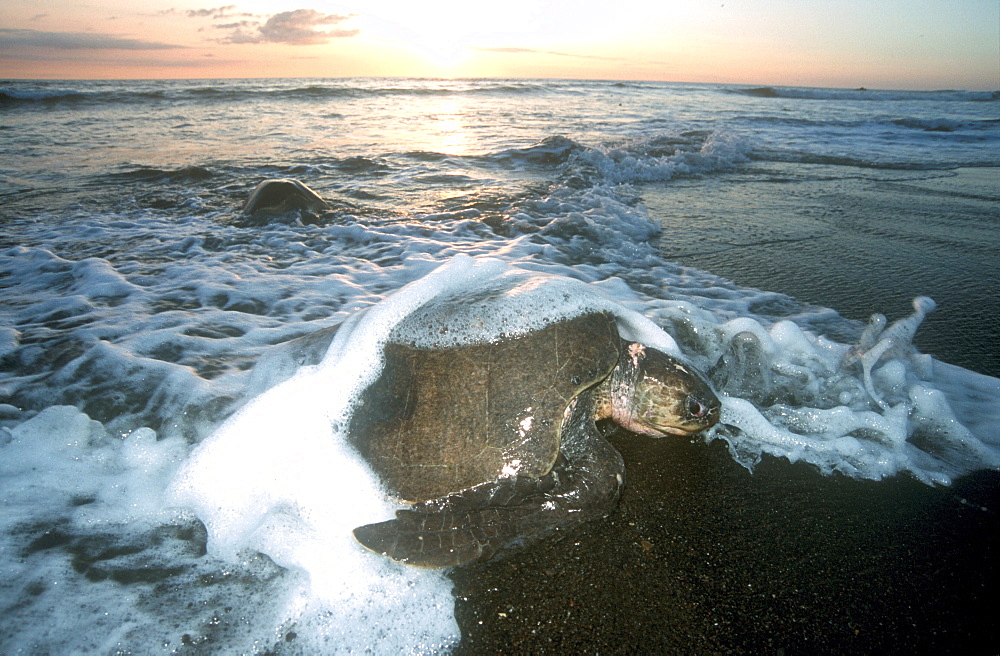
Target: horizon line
[761,85]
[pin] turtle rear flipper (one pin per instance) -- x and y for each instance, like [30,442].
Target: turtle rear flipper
[477,523]
[441,539]
[446,538]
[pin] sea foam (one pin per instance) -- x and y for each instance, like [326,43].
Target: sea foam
[821,406]
[278,490]
[279,478]
[138,316]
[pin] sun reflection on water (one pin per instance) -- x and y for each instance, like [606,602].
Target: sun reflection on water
[448,130]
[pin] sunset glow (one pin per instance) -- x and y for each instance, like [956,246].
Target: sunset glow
[851,43]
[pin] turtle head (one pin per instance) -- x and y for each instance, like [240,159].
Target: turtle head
[659,395]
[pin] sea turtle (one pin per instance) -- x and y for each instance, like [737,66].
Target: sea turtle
[495,444]
[281,195]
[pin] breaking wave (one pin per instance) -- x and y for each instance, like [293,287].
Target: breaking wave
[862,94]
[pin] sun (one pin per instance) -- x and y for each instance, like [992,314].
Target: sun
[440,52]
[445,32]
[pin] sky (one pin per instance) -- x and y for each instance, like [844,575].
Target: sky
[894,44]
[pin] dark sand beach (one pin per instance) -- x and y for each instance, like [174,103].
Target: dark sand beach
[704,557]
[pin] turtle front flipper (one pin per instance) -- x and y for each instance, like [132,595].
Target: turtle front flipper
[476,524]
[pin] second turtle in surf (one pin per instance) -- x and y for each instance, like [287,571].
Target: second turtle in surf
[282,195]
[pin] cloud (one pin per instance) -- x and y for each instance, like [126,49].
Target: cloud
[216,12]
[237,25]
[297,28]
[20,38]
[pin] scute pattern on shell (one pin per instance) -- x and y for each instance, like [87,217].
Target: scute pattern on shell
[440,421]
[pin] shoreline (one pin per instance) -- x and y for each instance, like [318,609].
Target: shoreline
[855,244]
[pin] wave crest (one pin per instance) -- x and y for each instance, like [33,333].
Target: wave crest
[662,158]
[861,93]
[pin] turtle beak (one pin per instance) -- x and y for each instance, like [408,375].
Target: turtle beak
[679,431]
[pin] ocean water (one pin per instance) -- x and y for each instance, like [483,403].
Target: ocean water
[173,468]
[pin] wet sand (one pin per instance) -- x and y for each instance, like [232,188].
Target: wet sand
[857,245]
[703,557]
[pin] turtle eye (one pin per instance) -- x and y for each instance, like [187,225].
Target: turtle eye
[695,408]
